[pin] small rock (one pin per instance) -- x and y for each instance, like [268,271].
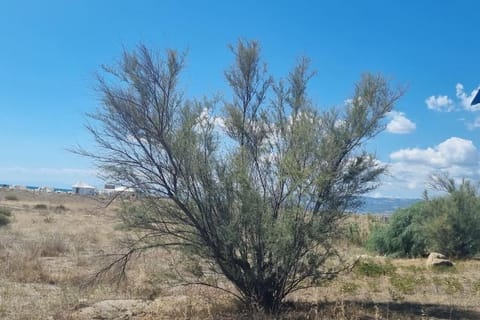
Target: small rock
[112,309]
[436,259]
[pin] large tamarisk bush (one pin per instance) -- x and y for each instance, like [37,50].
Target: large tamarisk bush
[255,186]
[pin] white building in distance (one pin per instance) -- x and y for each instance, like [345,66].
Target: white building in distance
[83,189]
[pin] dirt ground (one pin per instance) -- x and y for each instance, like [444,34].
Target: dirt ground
[55,243]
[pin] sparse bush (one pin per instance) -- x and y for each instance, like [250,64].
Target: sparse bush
[444,269]
[5,215]
[40,206]
[48,219]
[406,284]
[23,264]
[194,267]
[449,284]
[261,198]
[53,246]
[373,285]
[355,234]
[476,287]
[60,208]
[4,220]
[5,211]
[452,285]
[349,287]
[371,268]
[11,197]
[414,269]
[396,295]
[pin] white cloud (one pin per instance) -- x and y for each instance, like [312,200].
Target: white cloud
[206,118]
[474,125]
[453,151]
[399,123]
[463,101]
[466,99]
[440,103]
[409,169]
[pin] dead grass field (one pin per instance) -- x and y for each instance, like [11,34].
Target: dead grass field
[55,242]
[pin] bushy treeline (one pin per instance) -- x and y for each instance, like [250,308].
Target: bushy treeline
[448,224]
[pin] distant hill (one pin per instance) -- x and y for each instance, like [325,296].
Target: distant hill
[384,205]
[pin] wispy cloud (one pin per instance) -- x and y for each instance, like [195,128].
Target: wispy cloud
[466,99]
[475,124]
[440,103]
[399,123]
[462,102]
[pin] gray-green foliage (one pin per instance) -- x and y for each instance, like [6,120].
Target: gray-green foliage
[453,222]
[448,224]
[258,192]
[403,236]
[5,215]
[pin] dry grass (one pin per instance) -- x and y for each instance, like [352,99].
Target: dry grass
[47,253]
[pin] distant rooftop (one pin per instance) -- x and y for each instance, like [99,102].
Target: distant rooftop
[82,184]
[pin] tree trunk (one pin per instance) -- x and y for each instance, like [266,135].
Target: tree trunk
[267,297]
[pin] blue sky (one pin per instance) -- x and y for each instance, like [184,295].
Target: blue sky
[50,51]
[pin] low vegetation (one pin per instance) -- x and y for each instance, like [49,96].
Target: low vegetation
[4,220]
[46,268]
[40,206]
[402,236]
[11,197]
[370,268]
[5,215]
[449,224]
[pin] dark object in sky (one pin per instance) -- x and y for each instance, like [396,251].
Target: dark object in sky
[477,98]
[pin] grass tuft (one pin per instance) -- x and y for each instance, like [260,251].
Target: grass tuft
[370,268]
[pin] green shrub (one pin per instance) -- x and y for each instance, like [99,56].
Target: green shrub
[452,223]
[4,220]
[370,268]
[60,208]
[6,212]
[402,236]
[40,206]
[448,224]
